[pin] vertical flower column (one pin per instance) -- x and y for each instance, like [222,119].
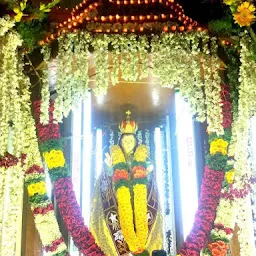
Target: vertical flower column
[43,212]
[11,198]
[52,149]
[222,230]
[211,186]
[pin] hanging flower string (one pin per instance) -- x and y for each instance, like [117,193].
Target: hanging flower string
[222,230]
[43,212]
[11,181]
[52,150]
[136,240]
[211,187]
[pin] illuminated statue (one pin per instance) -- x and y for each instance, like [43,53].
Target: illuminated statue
[125,217]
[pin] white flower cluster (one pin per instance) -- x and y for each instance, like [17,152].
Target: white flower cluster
[176,60]
[212,86]
[10,97]
[244,221]
[11,201]
[45,93]
[6,23]
[100,45]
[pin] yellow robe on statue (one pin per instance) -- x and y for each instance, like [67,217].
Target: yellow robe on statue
[103,237]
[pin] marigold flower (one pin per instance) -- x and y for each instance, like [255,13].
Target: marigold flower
[54,159]
[245,14]
[219,146]
[230,175]
[141,153]
[37,188]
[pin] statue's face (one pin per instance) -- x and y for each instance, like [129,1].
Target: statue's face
[128,143]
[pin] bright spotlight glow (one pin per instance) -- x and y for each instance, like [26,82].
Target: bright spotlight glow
[86,152]
[155,97]
[159,165]
[76,150]
[186,163]
[100,99]
[98,165]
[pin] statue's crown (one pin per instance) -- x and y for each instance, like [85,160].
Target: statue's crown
[128,125]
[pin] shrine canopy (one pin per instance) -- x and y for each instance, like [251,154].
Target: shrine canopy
[103,42]
[126,16]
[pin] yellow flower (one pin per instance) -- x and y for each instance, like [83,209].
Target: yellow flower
[54,158]
[230,2]
[218,146]
[141,153]
[117,155]
[125,213]
[37,188]
[230,175]
[245,14]
[140,213]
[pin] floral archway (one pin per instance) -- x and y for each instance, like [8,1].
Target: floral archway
[189,54]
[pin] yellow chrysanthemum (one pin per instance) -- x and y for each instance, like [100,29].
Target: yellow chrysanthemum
[140,213]
[141,153]
[117,155]
[37,188]
[230,175]
[54,158]
[219,146]
[125,213]
[245,14]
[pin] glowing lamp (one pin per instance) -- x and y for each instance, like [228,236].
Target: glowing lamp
[141,29]
[125,18]
[165,29]
[148,17]
[125,30]
[173,28]
[117,17]
[182,28]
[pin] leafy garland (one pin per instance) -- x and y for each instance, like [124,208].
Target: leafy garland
[136,240]
[170,54]
[211,186]
[52,149]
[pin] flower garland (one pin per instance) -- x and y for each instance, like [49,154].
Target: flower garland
[18,128]
[52,150]
[211,186]
[6,23]
[222,230]
[43,212]
[175,54]
[121,179]
[11,201]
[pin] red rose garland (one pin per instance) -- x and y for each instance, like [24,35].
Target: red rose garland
[209,199]
[70,211]
[211,186]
